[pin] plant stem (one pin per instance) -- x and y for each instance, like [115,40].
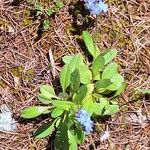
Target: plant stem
[64,117]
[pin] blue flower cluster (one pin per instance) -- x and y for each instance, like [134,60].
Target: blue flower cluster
[96,6]
[84,119]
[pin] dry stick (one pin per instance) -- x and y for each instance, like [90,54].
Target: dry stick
[52,64]
[92,142]
[96,32]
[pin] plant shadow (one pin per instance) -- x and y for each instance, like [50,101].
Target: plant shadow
[81,17]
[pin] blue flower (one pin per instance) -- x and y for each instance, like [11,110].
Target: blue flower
[96,6]
[83,117]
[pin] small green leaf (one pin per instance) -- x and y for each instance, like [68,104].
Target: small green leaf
[75,80]
[88,104]
[49,12]
[97,95]
[145,91]
[109,55]
[48,111]
[63,96]
[33,112]
[46,24]
[90,44]
[44,99]
[47,92]
[110,71]
[61,104]
[72,141]
[59,4]
[99,107]
[65,76]
[102,85]
[117,81]
[45,130]
[78,58]
[57,112]
[120,90]
[112,108]
[67,59]
[76,61]
[38,7]
[85,74]
[68,69]
[83,91]
[97,65]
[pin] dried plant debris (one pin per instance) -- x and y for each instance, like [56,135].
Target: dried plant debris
[138,118]
[7,123]
[105,136]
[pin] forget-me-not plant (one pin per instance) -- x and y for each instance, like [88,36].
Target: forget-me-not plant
[85,92]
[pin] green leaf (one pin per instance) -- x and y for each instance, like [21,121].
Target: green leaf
[83,91]
[97,77]
[59,4]
[75,80]
[99,107]
[79,134]
[145,91]
[61,104]
[49,12]
[97,65]
[63,96]
[97,95]
[48,111]
[76,61]
[102,85]
[47,92]
[45,130]
[68,69]
[72,141]
[65,76]
[57,112]
[61,138]
[85,74]
[90,44]
[46,24]
[67,59]
[117,81]
[110,71]
[112,108]
[120,90]
[38,7]
[44,99]
[33,111]
[110,55]
[88,104]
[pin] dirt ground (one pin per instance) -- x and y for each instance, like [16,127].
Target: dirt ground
[25,65]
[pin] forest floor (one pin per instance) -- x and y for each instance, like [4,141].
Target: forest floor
[25,65]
